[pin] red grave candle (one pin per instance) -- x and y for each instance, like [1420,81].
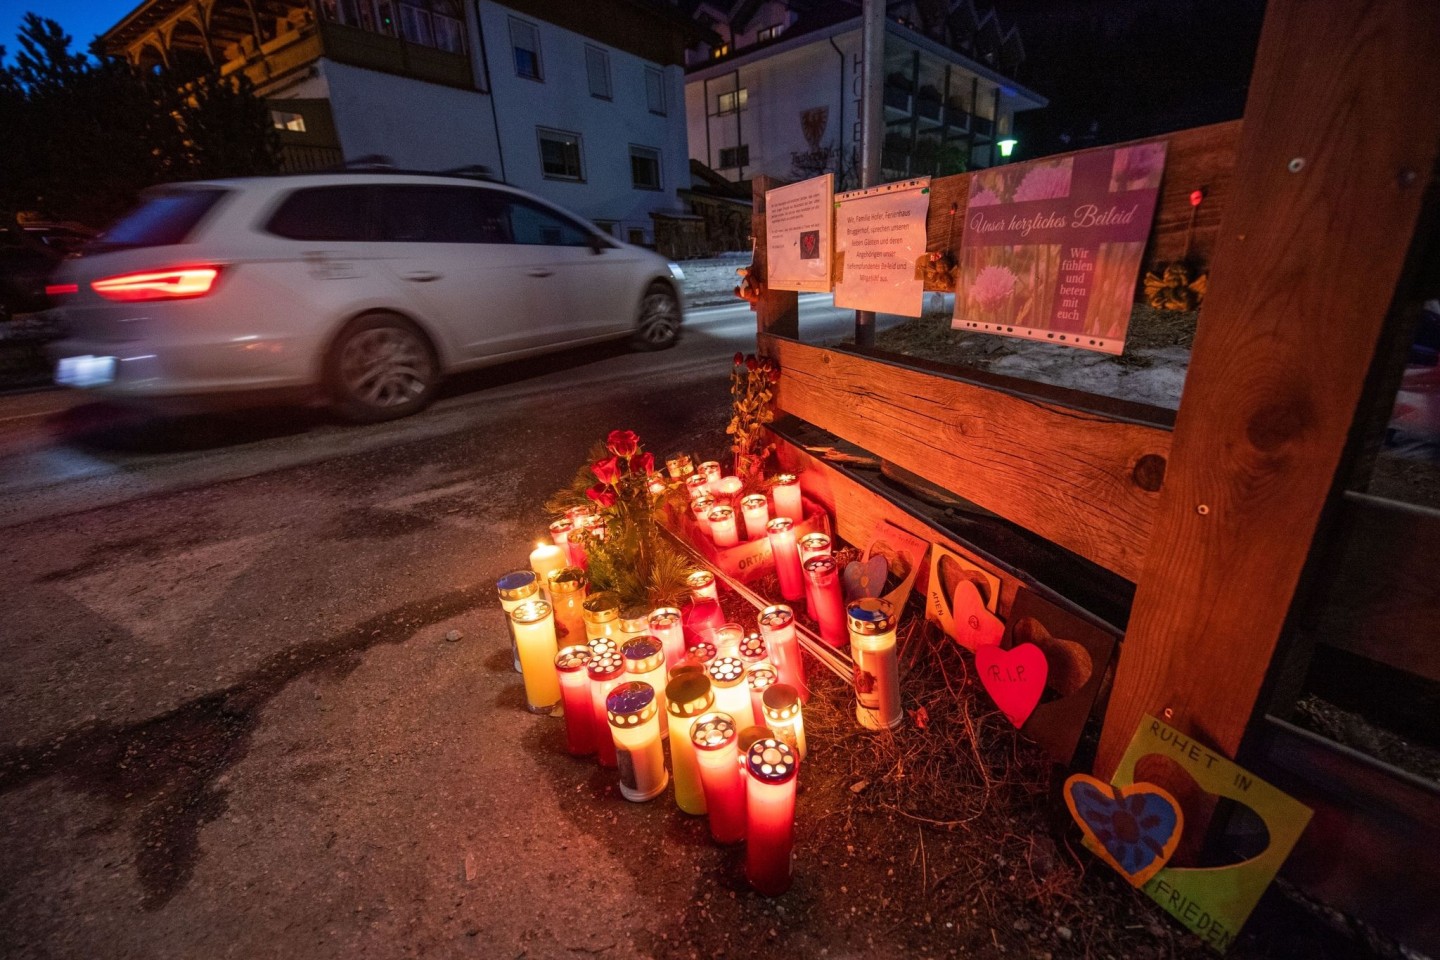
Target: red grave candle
[770,817]
[717,754]
[606,672]
[570,664]
[777,625]
[828,606]
[781,531]
[702,618]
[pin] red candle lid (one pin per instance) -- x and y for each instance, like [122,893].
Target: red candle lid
[573,659]
[605,666]
[771,761]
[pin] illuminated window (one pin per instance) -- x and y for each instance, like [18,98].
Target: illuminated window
[720,51]
[732,101]
[769,33]
[525,40]
[282,120]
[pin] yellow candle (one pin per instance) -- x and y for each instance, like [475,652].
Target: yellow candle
[687,698]
[535,636]
[546,559]
[567,596]
[727,680]
[635,727]
[601,612]
[515,588]
[877,668]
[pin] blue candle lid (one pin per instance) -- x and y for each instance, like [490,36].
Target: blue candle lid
[635,699]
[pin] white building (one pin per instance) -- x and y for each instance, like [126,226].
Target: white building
[779,94]
[581,104]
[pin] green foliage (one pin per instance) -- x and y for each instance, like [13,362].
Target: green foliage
[83,136]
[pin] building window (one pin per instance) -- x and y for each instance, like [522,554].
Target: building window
[769,33]
[655,90]
[597,66]
[607,226]
[283,120]
[720,51]
[735,156]
[560,154]
[376,16]
[645,168]
[525,40]
[637,236]
[732,101]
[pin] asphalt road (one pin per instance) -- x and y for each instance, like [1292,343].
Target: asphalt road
[231,723]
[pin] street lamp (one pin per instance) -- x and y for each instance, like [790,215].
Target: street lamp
[1007,146]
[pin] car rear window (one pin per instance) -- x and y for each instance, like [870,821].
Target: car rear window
[419,213]
[325,213]
[162,219]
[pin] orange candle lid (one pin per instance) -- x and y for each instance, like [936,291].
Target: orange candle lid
[771,761]
[781,701]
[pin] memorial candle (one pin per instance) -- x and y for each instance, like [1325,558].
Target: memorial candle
[756,511]
[710,470]
[717,756]
[727,682]
[759,679]
[678,466]
[745,739]
[701,507]
[702,585]
[546,559]
[634,622]
[697,486]
[665,624]
[601,612]
[754,651]
[567,596]
[770,817]
[635,727]
[727,639]
[645,661]
[701,619]
[701,653]
[782,714]
[727,487]
[535,637]
[786,493]
[605,670]
[828,607]
[722,526]
[877,668]
[570,664]
[781,532]
[560,531]
[687,698]
[656,485]
[777,625]
[813,545]
[515,588]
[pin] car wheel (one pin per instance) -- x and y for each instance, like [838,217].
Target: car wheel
[659,323]
[382,367]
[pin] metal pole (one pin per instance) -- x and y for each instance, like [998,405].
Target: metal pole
[872,126]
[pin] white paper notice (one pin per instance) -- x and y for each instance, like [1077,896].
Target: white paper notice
[798,235]
[879,240]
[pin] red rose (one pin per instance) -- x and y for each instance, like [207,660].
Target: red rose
[751,363]
[739,357]
[623,443]
[606,471]
[643,464]
[774,374]
[601,495]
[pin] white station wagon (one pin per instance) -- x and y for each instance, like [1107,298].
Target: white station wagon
[367,286]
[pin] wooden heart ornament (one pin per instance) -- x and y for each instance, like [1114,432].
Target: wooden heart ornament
[975,626]
[865,578]
[1135,829]
[1014,678]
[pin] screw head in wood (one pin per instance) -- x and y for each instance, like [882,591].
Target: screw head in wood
[1296,164]
[1203,509]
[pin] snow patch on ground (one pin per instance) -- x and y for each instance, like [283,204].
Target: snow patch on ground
[1157,384]
[712,280]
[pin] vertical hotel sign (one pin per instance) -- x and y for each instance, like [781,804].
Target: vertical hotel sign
[1052,248]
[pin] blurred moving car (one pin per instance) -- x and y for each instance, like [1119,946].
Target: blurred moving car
[369,286]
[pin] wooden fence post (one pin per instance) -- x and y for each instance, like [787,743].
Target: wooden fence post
[777,311]
[1338,149]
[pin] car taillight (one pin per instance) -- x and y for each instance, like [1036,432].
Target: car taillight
[179,284]
[61,289]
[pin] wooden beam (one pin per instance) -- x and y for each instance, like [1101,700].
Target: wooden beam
[1337,152]
[777,311]
[1081,480]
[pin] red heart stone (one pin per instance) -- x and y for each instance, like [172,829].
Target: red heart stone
[1014,678]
